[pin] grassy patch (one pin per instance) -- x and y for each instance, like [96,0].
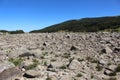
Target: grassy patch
[66,55]
[80,60]
[32,66]
[118,68]
[16,61]
[112,79]
[63,67]
[99,68]
[92,60]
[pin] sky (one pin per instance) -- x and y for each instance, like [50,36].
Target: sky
[30,15]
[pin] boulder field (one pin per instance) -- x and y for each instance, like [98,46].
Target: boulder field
[60,56]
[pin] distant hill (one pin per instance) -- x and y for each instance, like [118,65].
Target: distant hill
[12,32]
[85,25]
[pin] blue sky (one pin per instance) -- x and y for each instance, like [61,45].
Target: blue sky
[36,14]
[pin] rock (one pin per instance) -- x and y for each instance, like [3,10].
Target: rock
[1,33]
[31,74]
[11,74]
[26,63]
[57,64]
[107,50]
[117,49]
[97,77]
[73,48]
[6,65]
[3,57]
[75,65]
[44,44]
[112,67]
[102,62]
[27,54]
[50,66]
[109,73]
[14,51]
[62,55]
[66,77]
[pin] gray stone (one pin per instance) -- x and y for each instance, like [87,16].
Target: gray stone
[31,74]
[66,77]
[75,65]
[11,74]
[6,65]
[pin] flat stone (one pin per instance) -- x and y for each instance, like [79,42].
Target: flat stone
[31,74]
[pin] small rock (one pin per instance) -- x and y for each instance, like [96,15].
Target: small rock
[75,65]
[66,77]
[106,50]
[31,74]
[117,49]
[50,66]
[73,48]
[102,62]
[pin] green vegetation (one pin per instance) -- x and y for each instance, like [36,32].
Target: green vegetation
[45,63]
[48,78]
[12,32]
[111,24]
[112,79]
[32,66]
[79,75]
[53,60]
[118,68]
[99,68]
[16,62]
[63,67]
[112,74]
[80,60]
[66,55]
[92,60]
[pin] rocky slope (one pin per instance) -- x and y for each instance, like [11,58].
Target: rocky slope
[60,56]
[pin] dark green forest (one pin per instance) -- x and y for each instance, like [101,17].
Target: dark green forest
[111,24]
[12,32]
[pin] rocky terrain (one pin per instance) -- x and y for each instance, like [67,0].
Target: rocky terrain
[60,56]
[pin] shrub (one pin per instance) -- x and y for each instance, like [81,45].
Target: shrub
[66,55]
[118,68]
[32,66]
[112,74]
[80,60]
[99,68]
[45,63]
[53,60]
[91,60]
[63,67]
[112,79]
[48,78]
[42,57]
[79,75]
[16,62]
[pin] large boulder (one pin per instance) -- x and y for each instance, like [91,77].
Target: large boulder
[11,74]
[6,65]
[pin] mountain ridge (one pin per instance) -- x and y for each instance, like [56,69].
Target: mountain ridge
[84,25]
